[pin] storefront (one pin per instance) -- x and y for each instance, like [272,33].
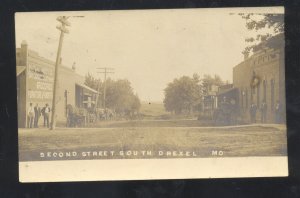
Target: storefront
[35,77]
[260,80]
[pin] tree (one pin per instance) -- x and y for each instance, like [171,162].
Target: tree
[272,26]
[182,94]
[119,94]
[136,103]
[92,82]
[208,81]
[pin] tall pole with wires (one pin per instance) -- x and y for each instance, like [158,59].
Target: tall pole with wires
[62,28]
[105,71]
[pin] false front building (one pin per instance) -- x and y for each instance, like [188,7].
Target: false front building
[35,77]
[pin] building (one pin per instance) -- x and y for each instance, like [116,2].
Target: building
[261,78]
[215,97]
[210,101]
[35,77]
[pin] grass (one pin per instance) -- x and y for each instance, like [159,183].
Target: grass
[153,109]
[156,111]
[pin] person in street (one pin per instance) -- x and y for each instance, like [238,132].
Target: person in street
[30,116]
[263,111]
[278,112]
[253,109]
[46,111]
[37,114]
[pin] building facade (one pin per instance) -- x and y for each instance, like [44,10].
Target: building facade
[35,77]
[261,79]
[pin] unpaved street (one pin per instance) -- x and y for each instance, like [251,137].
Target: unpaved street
[231,141]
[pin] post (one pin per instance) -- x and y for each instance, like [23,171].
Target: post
[63,30]
[106,71]
[97,96]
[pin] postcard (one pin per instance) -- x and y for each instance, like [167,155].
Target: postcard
[151,94]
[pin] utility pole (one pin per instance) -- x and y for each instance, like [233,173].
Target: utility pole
[105,71]
[62,28]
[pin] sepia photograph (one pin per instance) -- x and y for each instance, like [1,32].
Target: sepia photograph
[151,94]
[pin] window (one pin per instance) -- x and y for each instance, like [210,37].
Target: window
[265,90]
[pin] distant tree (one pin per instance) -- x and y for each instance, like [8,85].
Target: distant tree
[182,94]
[256,22]
[119,94]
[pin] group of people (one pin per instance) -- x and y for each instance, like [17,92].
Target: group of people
[34,114]
[263,112]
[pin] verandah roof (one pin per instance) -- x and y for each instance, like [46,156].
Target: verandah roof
[86,87]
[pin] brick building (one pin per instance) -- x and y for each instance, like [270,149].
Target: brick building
[35,77]
[261,77]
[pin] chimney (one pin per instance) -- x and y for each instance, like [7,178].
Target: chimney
[23,53]
[24,44]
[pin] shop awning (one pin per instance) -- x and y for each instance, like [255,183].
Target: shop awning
[20,69]
[87,87]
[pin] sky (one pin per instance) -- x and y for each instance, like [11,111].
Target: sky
[148,47]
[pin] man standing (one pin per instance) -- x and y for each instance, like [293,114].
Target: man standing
[253,113]
[46,112]
[37,114]
[263,110]
[30,116]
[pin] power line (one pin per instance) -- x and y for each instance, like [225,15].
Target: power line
[105,71]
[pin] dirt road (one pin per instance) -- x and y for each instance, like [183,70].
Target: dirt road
[252,140]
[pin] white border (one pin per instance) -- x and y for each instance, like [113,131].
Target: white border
[148,169]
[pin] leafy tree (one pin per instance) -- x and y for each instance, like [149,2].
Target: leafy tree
[273,23]
[182,94]
[208,81]
[92,82]
[185,93]
[119,94]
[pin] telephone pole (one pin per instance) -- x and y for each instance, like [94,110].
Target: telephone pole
[105,71]
[62,28]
